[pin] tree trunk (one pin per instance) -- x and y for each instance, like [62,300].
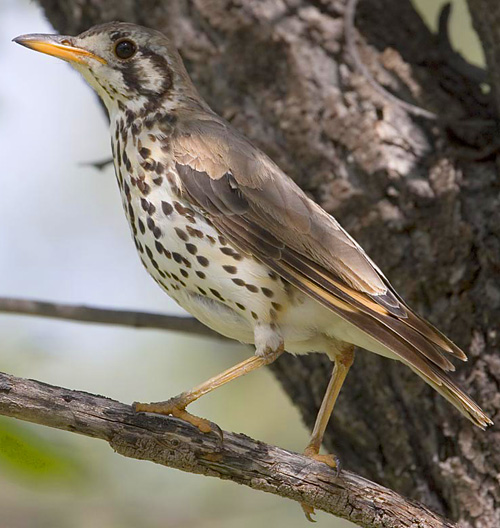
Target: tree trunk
[418,194]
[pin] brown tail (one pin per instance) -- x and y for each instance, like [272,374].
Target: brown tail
[466,405]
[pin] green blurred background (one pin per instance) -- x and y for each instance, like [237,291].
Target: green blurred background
[63,237]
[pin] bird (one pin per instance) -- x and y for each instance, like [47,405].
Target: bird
[233,240]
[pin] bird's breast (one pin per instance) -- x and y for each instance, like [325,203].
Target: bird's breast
[228,290]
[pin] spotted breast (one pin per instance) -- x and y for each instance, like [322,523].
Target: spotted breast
[178,244]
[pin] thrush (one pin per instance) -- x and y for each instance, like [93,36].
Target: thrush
[230,237]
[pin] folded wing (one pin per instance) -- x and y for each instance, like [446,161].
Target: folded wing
[265,214]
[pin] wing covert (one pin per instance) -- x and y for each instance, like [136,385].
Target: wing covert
[254,204]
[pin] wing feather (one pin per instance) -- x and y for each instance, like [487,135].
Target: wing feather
[265,214]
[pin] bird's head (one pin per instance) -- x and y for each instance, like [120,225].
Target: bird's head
[126,64]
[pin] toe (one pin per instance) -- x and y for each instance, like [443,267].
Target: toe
[170,408]
[201,423]
[330,460]
[308,511]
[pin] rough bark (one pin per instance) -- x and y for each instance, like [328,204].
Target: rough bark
[235,457]
[419,195]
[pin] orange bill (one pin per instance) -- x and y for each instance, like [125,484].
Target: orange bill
[57,46]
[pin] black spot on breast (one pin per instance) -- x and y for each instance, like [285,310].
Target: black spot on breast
[201,274]
[167,208]
[202,260]
[230,252]
[194,232]
[191,248]
[230,269]
[145,152]
[125,159]
[143,187]
[126,189]
[267,292]
[215,293]
[183,211]
[181,234]
[131,213]
[135,129]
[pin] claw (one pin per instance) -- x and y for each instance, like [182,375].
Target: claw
[330,460]
[308,511]
[220,435]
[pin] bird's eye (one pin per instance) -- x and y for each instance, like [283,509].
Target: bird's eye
[125,49]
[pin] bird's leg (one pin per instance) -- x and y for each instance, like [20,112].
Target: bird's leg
[343,362]
[264,355]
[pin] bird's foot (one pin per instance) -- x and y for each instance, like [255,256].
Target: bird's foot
[332,461]
[174,407]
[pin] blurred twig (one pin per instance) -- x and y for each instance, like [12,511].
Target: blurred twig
[99,165]
[174,443]
[452,57]
[105,316]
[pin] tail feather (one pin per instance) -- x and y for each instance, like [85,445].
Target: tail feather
[406,337]
[457,397]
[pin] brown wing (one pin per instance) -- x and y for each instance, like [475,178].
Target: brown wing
[253,203]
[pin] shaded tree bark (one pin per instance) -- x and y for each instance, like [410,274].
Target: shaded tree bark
[419,195]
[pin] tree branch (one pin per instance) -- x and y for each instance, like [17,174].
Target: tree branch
[107,316]
[174,443]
